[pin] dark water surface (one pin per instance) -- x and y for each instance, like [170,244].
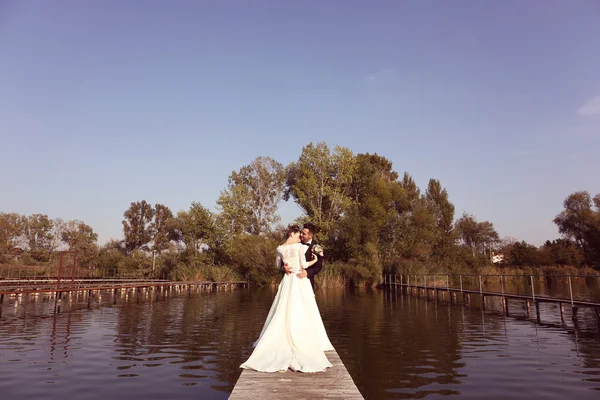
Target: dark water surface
[394,346]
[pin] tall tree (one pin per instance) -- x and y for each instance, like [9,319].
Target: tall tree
[82,240]
[320,181]
[478,236]
[11,229]
[38,233]
[579,222]
[442,209]
[250,201]
[137,225]
[195,228]
[161,228]
[468,230]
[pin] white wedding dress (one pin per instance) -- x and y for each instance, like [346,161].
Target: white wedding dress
[293,335]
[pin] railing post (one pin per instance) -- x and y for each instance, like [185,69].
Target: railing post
[532,289]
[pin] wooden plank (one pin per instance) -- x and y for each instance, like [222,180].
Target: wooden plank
[333,383]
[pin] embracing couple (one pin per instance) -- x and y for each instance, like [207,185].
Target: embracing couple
[293,336]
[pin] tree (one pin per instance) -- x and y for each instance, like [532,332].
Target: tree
[562,252]
[250,201]
[442,209]
[37,231]
[467,228]
[579,222]
[161,228]
[478,236]
[195,228]
[137,225]
[375,192]
[319,182]
[11,229]
[81,239]
[523,253]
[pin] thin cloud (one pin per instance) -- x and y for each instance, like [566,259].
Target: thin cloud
[590,107]
[383,76]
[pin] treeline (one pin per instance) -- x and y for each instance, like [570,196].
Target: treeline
[371,220]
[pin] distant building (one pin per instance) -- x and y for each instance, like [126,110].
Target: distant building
[497,258]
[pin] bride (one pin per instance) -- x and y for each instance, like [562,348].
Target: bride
[293,335]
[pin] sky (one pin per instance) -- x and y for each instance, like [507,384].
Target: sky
[107,102]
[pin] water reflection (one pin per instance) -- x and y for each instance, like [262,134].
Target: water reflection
[394,346]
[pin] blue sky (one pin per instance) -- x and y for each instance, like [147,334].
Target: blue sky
[107,102]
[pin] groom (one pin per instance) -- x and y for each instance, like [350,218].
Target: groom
[306,236]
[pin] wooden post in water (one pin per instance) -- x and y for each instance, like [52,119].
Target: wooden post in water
[481,293]
[417,288]
[504,299]
[417,284]
[461,291]
[573,308]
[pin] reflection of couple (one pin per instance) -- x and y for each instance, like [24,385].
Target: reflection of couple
[293,335]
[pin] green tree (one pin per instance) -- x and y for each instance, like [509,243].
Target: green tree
[579,222]
[320,183]
[562,252]
[81,239]
[523,253]
[369,233]
[11,229]
[249,203]
[137,225]
[161,228]
[38,234]
[480,237]
[437,201]
[195,228]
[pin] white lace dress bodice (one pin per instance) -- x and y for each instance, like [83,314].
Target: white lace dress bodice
[293,254]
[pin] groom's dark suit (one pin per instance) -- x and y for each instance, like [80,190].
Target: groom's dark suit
[316,267]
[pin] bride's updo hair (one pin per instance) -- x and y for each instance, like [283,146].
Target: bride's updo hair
[292,229]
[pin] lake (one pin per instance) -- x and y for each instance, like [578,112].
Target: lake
[394,346]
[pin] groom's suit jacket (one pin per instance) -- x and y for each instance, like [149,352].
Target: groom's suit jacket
[316,267]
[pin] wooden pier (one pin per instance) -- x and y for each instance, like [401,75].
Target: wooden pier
[333,383]
[455,293]
[18,291]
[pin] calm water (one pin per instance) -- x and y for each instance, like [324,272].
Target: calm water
[395,347]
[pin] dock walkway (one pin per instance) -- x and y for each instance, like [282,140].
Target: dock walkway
[334,383]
